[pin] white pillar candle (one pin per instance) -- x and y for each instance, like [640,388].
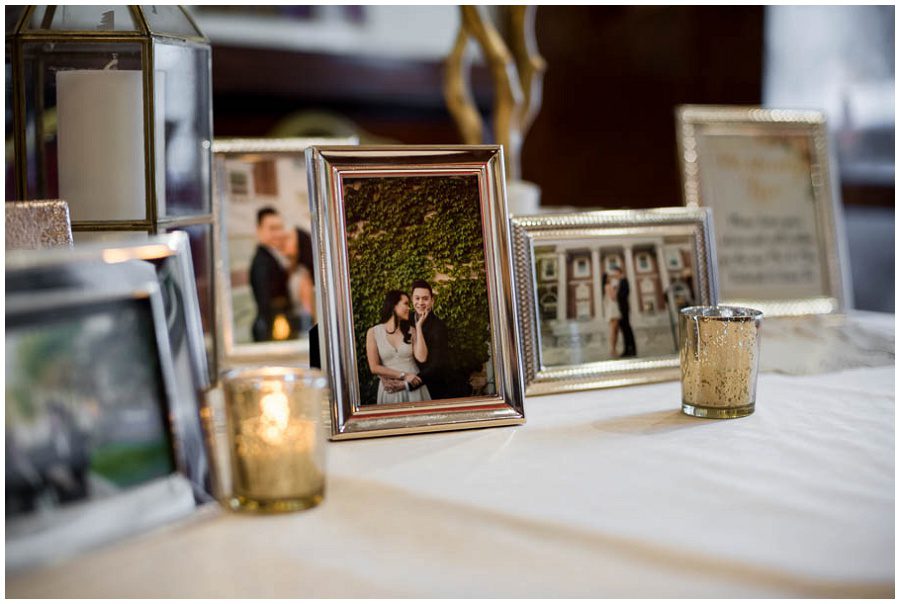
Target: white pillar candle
[101,144]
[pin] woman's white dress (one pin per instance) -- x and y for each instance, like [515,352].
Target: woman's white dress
[400,359]
[611,305]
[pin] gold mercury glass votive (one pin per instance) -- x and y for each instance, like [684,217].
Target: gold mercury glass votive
[719,360]
[276,437]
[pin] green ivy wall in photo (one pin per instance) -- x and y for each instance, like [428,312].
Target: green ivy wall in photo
[404,228]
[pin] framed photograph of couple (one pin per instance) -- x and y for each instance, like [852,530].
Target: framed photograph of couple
[599,294]
[265,285]
[767,174]
[417,327]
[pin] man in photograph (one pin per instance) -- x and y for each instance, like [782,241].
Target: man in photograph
[269,279]
[624,309]
[436,371]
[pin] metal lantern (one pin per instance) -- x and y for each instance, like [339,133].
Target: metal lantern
[113,114]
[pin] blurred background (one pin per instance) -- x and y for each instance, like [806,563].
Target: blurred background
[605,133]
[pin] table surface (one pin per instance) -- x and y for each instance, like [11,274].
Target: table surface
[600,494]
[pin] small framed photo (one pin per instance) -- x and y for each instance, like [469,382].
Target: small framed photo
[265,287]
[94,436]
[417,327]
[767,174]
[166,261]
[599,294]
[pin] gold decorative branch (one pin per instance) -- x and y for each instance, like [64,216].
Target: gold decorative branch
[529,63]
[457,91]
[517,75]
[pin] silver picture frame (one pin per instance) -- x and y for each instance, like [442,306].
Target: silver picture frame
[95,491]
[165,260]
[234,346]
[770,178]
[330,169]
[561,265]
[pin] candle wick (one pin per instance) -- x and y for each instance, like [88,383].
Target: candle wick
[114,64]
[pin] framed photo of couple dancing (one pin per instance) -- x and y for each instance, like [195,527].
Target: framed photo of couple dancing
[599,294]
[417,323]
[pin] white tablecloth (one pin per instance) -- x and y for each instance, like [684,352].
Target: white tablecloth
[602,493]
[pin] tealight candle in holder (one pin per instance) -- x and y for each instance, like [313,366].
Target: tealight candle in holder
[719,360]
[276,437]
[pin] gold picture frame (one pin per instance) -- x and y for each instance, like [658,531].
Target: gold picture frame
[769,178]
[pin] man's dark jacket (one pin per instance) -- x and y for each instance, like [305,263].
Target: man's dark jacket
[436,371]
[269,282]
[622,297]
[625,321]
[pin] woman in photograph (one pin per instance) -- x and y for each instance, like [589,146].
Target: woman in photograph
[611,312]
[301,287]
[393,347]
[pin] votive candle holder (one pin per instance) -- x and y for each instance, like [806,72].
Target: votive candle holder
[719,348]
[276,438]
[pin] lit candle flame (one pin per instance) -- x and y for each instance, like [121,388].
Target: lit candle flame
[275,416]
